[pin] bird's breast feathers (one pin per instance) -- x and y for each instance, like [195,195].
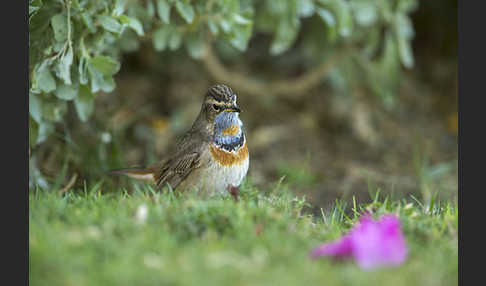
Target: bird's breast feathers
[226,168]
[229,158]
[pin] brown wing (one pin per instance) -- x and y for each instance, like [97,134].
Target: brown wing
[177,169]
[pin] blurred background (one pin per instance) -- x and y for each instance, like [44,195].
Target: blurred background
[335,103]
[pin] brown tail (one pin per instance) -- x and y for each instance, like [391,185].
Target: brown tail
[136,173]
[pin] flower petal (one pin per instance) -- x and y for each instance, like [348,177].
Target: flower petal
[371,243]
[378,243]
[339,248]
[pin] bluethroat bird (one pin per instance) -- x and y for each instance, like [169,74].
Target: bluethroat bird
[211,157]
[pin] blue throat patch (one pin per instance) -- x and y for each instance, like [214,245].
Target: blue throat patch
[223,121]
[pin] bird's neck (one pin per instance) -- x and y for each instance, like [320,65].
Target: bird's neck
[228,131]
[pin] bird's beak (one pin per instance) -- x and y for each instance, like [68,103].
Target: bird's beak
[233,109]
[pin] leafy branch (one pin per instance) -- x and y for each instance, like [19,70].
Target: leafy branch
[75,46]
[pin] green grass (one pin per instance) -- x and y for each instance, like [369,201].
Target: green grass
[87,238]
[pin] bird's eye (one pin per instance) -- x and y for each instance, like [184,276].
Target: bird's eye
[216,107]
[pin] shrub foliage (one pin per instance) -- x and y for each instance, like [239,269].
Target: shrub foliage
[75,46]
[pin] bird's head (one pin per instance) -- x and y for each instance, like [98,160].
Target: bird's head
[220,101]
[221,112]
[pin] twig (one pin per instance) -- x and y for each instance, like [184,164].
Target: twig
[70,184]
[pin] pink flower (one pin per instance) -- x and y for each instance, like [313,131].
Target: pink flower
[371,243]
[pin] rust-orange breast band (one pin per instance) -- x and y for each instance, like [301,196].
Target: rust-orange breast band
[226,158]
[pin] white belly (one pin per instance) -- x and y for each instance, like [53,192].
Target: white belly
[216,178]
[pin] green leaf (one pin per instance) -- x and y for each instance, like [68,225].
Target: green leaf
[105,65]
[161,38]
[326,16]
[404,34]
[163,9]
[305,8]
[403,26]
[225,25]
[405,52]
[53,110]
[185,10]
[43,78]
[83,70]
[119,7]
[373,43]
[124,19]
[407,6]
[329,20]
[32,9]
[35,107]
[44,131]
[100,81]
[63,68]
[285,37]
[212,26]
[33,132]
[136,25]
[66,92]
[195,45]
[59,26]
[389,60]
[365,13]
[110,24]
[84,103]
[240,36]
[383,73]
[345,20]
[149,11]
[342,12]
[88,21]
[175,39]
[108,84]
[238,19]
[97,80]
[133,23]
[129,42]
